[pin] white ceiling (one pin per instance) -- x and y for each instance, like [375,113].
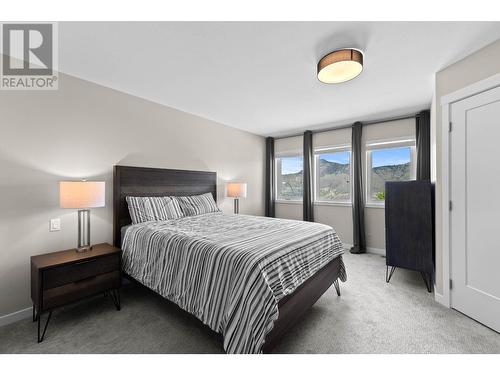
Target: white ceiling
[261,77]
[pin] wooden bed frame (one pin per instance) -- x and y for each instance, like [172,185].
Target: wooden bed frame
[139,181]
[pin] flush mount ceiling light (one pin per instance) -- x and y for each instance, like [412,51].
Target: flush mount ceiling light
[340,66]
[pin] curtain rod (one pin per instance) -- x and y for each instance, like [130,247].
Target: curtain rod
[372,122]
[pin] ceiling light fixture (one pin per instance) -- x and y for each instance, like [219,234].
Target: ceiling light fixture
[340,66]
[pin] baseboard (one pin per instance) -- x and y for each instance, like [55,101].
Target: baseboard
[370,250]
[439,298]
[374,250]
[15,316]
[347,246]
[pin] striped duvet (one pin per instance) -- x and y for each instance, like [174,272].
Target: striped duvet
[230,271]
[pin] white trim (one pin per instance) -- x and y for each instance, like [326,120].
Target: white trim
[375,205]
[439,298]
[326,150]
[329,149]
[332,203]
[15,316]
[288,153]
[277,171]
[446,102]
[388,144]
[288,202]
[445,210]
[374,250]
[473,89]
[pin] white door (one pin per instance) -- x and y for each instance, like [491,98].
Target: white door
[475,211]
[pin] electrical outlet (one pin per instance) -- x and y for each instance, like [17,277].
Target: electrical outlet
[55,225]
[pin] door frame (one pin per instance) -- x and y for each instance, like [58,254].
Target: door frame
[446,102]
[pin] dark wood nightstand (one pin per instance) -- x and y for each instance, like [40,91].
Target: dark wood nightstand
[66,276]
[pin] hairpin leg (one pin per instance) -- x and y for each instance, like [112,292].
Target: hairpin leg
[39,316]
[337,287]
[115,297]
[387,274]
[428,283]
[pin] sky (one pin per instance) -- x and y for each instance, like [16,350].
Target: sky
[291,164]
[341,157]
[391,156]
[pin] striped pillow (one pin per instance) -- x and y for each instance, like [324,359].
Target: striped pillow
[197,204]
[143,209]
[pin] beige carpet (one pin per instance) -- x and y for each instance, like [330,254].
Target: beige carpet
[370,317]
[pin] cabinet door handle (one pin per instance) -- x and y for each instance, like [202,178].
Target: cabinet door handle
[86,279]
[86,261]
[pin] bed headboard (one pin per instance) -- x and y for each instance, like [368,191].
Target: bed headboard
[139,181]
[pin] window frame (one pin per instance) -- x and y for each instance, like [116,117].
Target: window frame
[385,144]
[284,154]
[329,150]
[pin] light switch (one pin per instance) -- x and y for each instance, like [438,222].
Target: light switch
[55,225]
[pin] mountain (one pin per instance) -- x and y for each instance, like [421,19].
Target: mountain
[335,180]
[330,167]
[291,186]
[399,172]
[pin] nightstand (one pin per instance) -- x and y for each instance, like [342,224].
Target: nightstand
[66,276]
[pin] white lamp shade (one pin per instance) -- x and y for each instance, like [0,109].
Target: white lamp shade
[236,189]
[81,194]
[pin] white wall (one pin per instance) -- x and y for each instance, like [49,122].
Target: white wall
[81,131]
[476,67]
[339,217]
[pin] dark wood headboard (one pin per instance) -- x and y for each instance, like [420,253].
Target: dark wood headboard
[149,182]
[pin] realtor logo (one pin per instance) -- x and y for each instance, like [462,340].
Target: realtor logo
[29,56]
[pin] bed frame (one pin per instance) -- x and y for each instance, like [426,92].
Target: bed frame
[139,181]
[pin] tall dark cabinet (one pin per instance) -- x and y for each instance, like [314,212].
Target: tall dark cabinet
[409,228]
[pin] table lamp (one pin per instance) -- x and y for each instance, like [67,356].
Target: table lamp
[82,195]
[236,190]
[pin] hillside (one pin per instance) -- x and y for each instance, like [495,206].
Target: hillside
[330,167]
[335,180]
[400,172]
[291,186]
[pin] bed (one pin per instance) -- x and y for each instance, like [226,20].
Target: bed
[249,278]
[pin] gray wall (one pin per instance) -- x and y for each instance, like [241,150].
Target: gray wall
[81,131]
[476,67]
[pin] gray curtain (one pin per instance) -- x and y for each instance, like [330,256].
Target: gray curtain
[358,201]
[423,135]
[270,177]
[308,204]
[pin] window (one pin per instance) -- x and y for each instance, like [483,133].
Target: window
[289,177]
[388,161]
[333,175]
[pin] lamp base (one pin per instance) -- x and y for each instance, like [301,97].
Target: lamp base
[83,249]
[236,205]
[83,231]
